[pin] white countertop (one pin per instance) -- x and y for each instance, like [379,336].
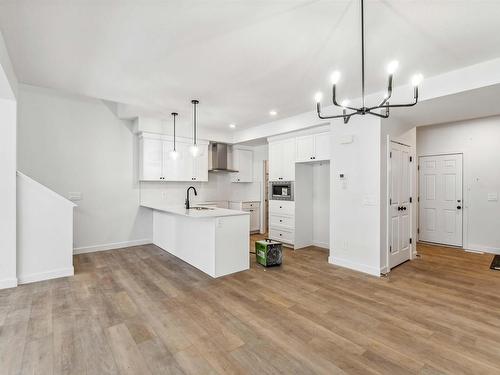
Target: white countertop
[181,210]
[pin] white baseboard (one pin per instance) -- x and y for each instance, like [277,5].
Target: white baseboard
[8,283]
[111,246]
[483,249]
[41,276]
[324,245]
[354,266]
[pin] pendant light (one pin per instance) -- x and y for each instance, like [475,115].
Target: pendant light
[384,106]
[173,154]
[194,147]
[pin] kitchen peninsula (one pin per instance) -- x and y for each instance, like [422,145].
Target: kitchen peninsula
[214,240]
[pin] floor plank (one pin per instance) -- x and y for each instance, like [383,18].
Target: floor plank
[141,310]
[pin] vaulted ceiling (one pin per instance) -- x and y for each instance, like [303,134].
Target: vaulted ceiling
[240,58]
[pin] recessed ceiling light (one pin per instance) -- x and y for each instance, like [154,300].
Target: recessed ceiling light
[273,112]
[232,126]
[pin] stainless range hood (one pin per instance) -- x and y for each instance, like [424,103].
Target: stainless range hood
[220,157]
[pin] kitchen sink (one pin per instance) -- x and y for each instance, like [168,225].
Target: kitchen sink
[200,208]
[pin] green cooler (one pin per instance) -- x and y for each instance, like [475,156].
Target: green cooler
[268,252]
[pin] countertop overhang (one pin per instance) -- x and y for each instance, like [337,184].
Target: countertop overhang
[182,211]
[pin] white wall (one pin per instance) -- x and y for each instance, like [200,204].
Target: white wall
[355,228]
[7,193]
[321,204]
[479,141]
[8,107]
[75,144]
[44,232]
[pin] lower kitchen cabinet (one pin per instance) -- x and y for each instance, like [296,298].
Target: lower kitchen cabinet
[254,209]
[282,221]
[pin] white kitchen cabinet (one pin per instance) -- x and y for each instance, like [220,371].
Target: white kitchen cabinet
[157,165]
[172,168]
[151,168]
[304,148]
[282,160]
[253,208]
[282,221]
[313,147]
[243,163]
[200,164]
[322,146]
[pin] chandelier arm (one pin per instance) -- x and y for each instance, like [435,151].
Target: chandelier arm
[395,105]
[378,114]
[334,100]
[389,91]
[415,96]
[318,109]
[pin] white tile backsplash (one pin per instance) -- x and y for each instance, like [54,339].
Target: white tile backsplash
[218,188]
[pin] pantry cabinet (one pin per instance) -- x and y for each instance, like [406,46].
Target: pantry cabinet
[282,160]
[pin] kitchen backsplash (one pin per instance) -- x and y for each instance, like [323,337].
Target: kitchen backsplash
[218,188]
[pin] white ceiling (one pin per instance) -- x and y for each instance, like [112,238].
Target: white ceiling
[240,58]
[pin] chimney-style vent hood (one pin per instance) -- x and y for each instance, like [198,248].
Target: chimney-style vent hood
[220,157]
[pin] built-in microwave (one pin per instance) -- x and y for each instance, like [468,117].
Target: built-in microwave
[281,190]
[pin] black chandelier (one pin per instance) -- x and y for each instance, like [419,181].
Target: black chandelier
[347,111]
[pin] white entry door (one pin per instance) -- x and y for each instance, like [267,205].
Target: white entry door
[400,208]
[441,199]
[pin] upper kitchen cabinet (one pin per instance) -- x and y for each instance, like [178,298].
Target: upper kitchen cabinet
[313,147]
[322,146]
[157,165]
[200,163]
[282,160]
[243,163]
[151,153]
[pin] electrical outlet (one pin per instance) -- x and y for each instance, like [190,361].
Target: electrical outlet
[164,195]
[346,245]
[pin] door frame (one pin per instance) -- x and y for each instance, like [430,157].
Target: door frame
[413,194]
[465,201]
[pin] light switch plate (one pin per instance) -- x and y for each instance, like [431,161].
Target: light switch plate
[369,200]
[75,196]
[492,197]
[346,139]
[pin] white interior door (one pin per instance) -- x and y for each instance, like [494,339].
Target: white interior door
[400,208]
[441,202]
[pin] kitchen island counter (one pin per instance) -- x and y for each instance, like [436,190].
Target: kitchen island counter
[216,240]
[193,211]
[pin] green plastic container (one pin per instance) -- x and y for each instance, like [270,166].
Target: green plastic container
[268,253]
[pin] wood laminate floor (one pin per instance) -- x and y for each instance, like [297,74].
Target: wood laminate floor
[142,311]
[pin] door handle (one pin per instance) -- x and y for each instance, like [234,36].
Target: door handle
[459,207]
